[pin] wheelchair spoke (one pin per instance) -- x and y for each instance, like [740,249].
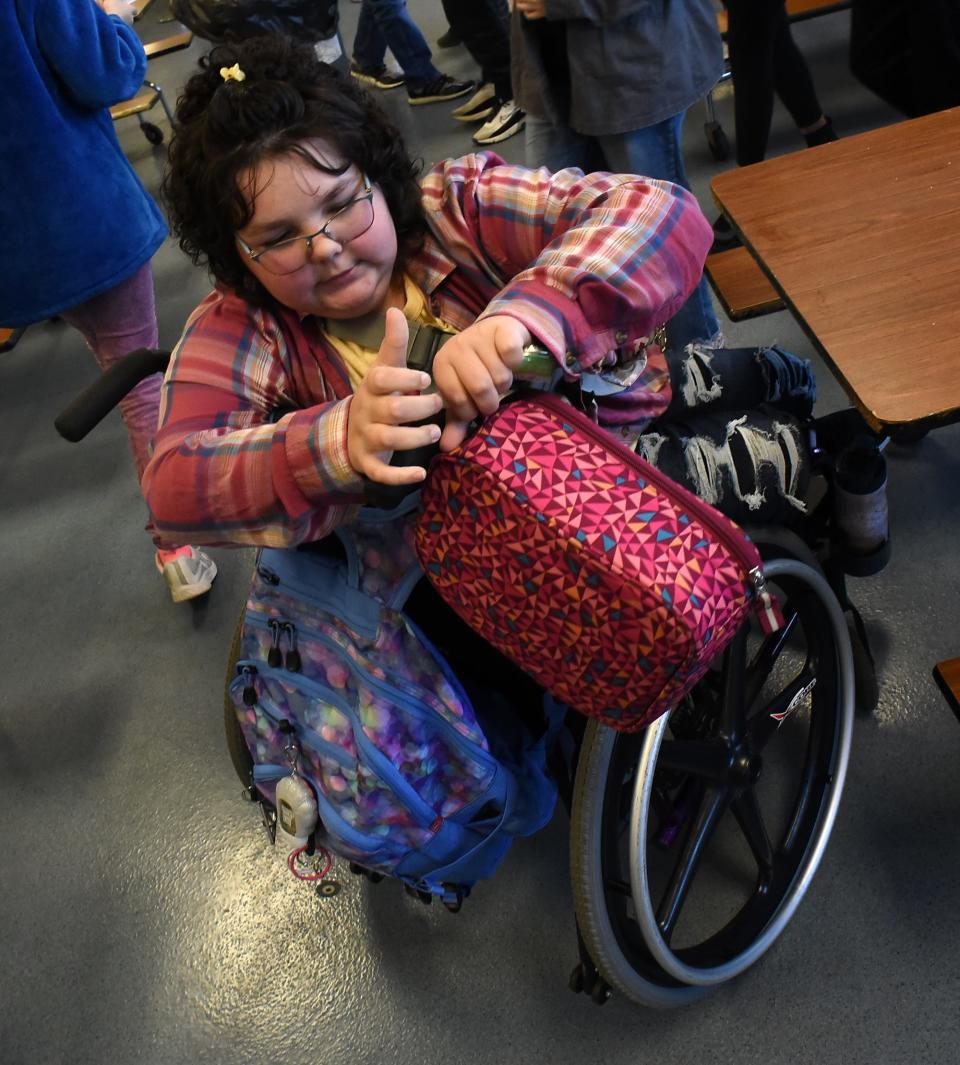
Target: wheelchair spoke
[763,725]
[733,707]
[746,810]
[761,666]
[701,830]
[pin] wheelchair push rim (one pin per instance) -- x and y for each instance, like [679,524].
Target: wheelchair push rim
[637,951]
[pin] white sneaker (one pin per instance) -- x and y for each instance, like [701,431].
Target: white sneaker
[188,572]
[481,105]
[508,120]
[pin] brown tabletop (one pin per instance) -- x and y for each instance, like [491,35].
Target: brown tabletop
[947,675]
[862,239]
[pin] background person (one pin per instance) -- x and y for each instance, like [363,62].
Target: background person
[387,24]
[605,85]
[78,228]
[483,27]
[765,61]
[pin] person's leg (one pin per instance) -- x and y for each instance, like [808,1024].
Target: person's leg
[388,23]
[734,432]
[792,79]
[655,152]
[483,27]
[556,147]
[752,465]
[738,379]
[113,324]
[752,29]
[369,44]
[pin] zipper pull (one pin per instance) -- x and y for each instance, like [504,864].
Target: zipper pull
[765,605]
[291,748]
[274,655]
[249,691]
[267,574]
[292,660]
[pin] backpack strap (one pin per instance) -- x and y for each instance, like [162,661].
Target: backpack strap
[423,341]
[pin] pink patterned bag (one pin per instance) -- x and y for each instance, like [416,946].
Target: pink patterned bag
[607,582]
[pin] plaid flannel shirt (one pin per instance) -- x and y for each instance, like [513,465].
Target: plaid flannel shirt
[251,446]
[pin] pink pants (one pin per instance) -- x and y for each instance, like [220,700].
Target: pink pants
[114,324]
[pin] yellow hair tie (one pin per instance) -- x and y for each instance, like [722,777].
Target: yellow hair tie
[233,73]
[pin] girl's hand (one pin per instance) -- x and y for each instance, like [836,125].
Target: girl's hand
[388,397]
[474,369]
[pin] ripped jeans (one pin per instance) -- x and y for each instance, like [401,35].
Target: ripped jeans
[734,431]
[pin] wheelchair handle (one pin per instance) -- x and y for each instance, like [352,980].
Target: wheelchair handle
[97,400]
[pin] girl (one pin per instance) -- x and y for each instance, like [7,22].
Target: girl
[79,229]
[294,188]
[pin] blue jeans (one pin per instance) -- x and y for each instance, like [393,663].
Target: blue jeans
[652,152]
[387,24]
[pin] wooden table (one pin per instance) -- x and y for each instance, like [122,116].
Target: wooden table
[862,239]
[947,676]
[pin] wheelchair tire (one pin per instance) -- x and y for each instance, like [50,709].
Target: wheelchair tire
[154,134]
[236,745]
[717,141]
[679,883]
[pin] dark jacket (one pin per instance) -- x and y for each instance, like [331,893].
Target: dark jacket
[610,66]
[236,20]
[74,219]
[908,52]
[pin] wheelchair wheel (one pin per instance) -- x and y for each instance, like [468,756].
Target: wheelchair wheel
[693,842]
[154,134]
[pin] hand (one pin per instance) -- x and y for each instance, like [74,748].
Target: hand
[123,9]
[474,369]
[532,9]
[388,397]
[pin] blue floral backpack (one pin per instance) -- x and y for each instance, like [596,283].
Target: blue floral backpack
[338,687]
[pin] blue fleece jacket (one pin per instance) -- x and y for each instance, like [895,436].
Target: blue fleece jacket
[74,218]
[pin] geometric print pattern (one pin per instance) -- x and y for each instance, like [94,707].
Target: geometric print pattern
[611,585]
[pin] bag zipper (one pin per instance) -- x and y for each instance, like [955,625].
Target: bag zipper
[247,669]
[289,589]
[399,691]
[766,607]
[378,761]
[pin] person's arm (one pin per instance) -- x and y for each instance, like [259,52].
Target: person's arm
[593,262]
[224,471]
[97,57]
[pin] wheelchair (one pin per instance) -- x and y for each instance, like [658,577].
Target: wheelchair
[692,842]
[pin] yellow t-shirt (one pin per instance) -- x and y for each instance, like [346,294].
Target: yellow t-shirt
[358,359]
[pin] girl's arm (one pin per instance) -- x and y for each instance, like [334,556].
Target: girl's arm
[589,264]
[96,56]
[229,467]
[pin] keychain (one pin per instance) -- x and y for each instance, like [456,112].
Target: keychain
[297,818]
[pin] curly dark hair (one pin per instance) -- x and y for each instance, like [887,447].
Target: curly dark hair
[226,128]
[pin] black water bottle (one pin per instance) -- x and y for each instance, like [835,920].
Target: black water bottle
[860,496]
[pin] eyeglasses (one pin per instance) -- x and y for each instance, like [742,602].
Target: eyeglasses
[291,253]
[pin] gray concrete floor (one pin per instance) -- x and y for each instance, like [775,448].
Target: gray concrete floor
[143,915]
